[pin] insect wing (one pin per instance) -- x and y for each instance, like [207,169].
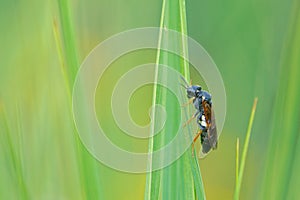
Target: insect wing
[206,146]
[210,138]
[212,132]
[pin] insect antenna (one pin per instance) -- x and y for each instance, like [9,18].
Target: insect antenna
[185,87]
[186,83]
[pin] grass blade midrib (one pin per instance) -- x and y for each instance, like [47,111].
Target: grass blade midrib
[165,183]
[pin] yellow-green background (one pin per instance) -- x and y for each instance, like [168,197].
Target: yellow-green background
[254,44]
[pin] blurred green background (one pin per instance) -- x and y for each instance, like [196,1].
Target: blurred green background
[254,43]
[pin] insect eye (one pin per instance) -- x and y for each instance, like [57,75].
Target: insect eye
[190,94]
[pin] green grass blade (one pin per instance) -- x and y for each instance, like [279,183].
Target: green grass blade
[237,161]
[70,47]
[244,154]
[59,49]
[182,179]
[153,178]
[89,168]
[14,160]
[282,165]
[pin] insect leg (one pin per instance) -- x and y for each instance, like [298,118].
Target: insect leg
[191,100]
[189,121]
[194,140]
